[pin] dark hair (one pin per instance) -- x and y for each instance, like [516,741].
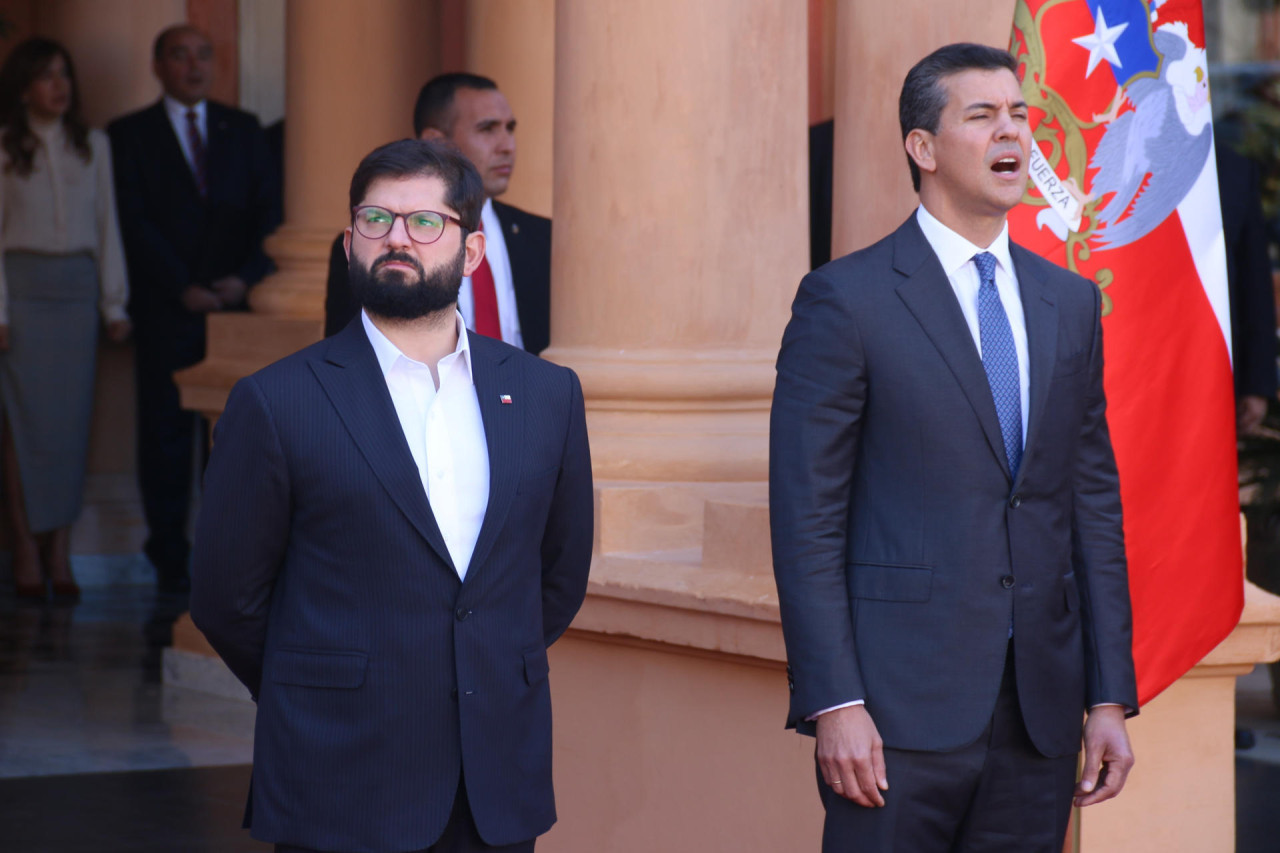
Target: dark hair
[411,158]
[157,46]
[923,96]
[434,107]
[25,63]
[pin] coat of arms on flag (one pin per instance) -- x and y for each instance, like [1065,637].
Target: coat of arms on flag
[1124,192]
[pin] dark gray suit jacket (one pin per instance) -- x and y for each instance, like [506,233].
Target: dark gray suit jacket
[902,549]
[321,578]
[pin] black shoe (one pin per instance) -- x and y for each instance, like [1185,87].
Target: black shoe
[37,591]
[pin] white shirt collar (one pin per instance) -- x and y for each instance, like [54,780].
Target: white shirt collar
[954,251]
[178,111]
[49,132]
[388,353]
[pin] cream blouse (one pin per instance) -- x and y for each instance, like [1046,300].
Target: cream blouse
[63,207]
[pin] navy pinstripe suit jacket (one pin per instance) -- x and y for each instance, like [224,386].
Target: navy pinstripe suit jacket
[321,578]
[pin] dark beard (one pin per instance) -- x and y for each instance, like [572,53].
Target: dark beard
[393,296]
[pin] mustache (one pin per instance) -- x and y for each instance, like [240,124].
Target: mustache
[399,257]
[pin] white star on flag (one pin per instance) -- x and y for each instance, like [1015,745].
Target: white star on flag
[1101,43]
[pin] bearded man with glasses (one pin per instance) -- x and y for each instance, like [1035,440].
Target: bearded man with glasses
[397,523]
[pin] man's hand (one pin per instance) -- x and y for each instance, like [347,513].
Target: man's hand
[118,330]
[851,755]
[1249,413]
[200,300]
[1106,753]
[231,290]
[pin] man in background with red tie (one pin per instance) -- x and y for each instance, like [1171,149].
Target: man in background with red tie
[508,296]
[196,195]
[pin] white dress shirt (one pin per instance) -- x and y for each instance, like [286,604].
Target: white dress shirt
[495,249]
[177,112]
[956,255]
[64,207]
[445,434]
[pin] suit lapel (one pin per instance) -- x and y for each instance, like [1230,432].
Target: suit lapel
[350,375]
[1042,340]
[517,256]
[169,149]
[929,297]
[496,375]
[217,145]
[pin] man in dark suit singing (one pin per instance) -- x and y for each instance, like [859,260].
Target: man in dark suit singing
[945,507]
[509,295]
[397,522]
[197,196]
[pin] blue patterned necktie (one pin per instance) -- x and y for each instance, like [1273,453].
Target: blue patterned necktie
[1000,360]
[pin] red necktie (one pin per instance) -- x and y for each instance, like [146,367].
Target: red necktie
[197,150]
[484,299]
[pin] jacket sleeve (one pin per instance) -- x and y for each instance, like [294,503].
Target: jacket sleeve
[113,283]
[241,533]
[156,268]
[1098,556]
[339,307]
[818,401]
[570,529]
[1255,304]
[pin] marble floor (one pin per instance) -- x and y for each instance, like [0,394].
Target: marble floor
[97,754]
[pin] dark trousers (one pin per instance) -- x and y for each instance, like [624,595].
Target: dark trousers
[996,795]
[460,835]
[166,443]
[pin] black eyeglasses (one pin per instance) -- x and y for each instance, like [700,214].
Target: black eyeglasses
[422,226]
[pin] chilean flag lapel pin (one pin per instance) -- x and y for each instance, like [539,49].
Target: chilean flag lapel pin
[505,399]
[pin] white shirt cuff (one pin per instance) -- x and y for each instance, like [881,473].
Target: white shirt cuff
[815,716]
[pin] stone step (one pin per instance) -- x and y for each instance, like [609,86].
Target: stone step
[736,535]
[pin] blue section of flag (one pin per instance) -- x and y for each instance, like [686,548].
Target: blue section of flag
[1134,45]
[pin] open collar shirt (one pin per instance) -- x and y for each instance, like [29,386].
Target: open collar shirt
[445,433]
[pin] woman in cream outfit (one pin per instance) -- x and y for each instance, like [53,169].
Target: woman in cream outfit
[62,266]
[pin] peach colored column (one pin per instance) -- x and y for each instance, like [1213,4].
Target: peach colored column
[220,20]
[681,225]
[351,80]
[876,44]
[513,42]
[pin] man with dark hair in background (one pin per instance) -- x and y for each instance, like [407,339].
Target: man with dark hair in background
[945,507]
[397,523]
[508,296]
[197,196]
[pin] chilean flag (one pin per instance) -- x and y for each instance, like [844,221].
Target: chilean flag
[1124,191]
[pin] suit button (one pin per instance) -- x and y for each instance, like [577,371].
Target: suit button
[1015,501]
[1007,581]
[453,694]
[462,613]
